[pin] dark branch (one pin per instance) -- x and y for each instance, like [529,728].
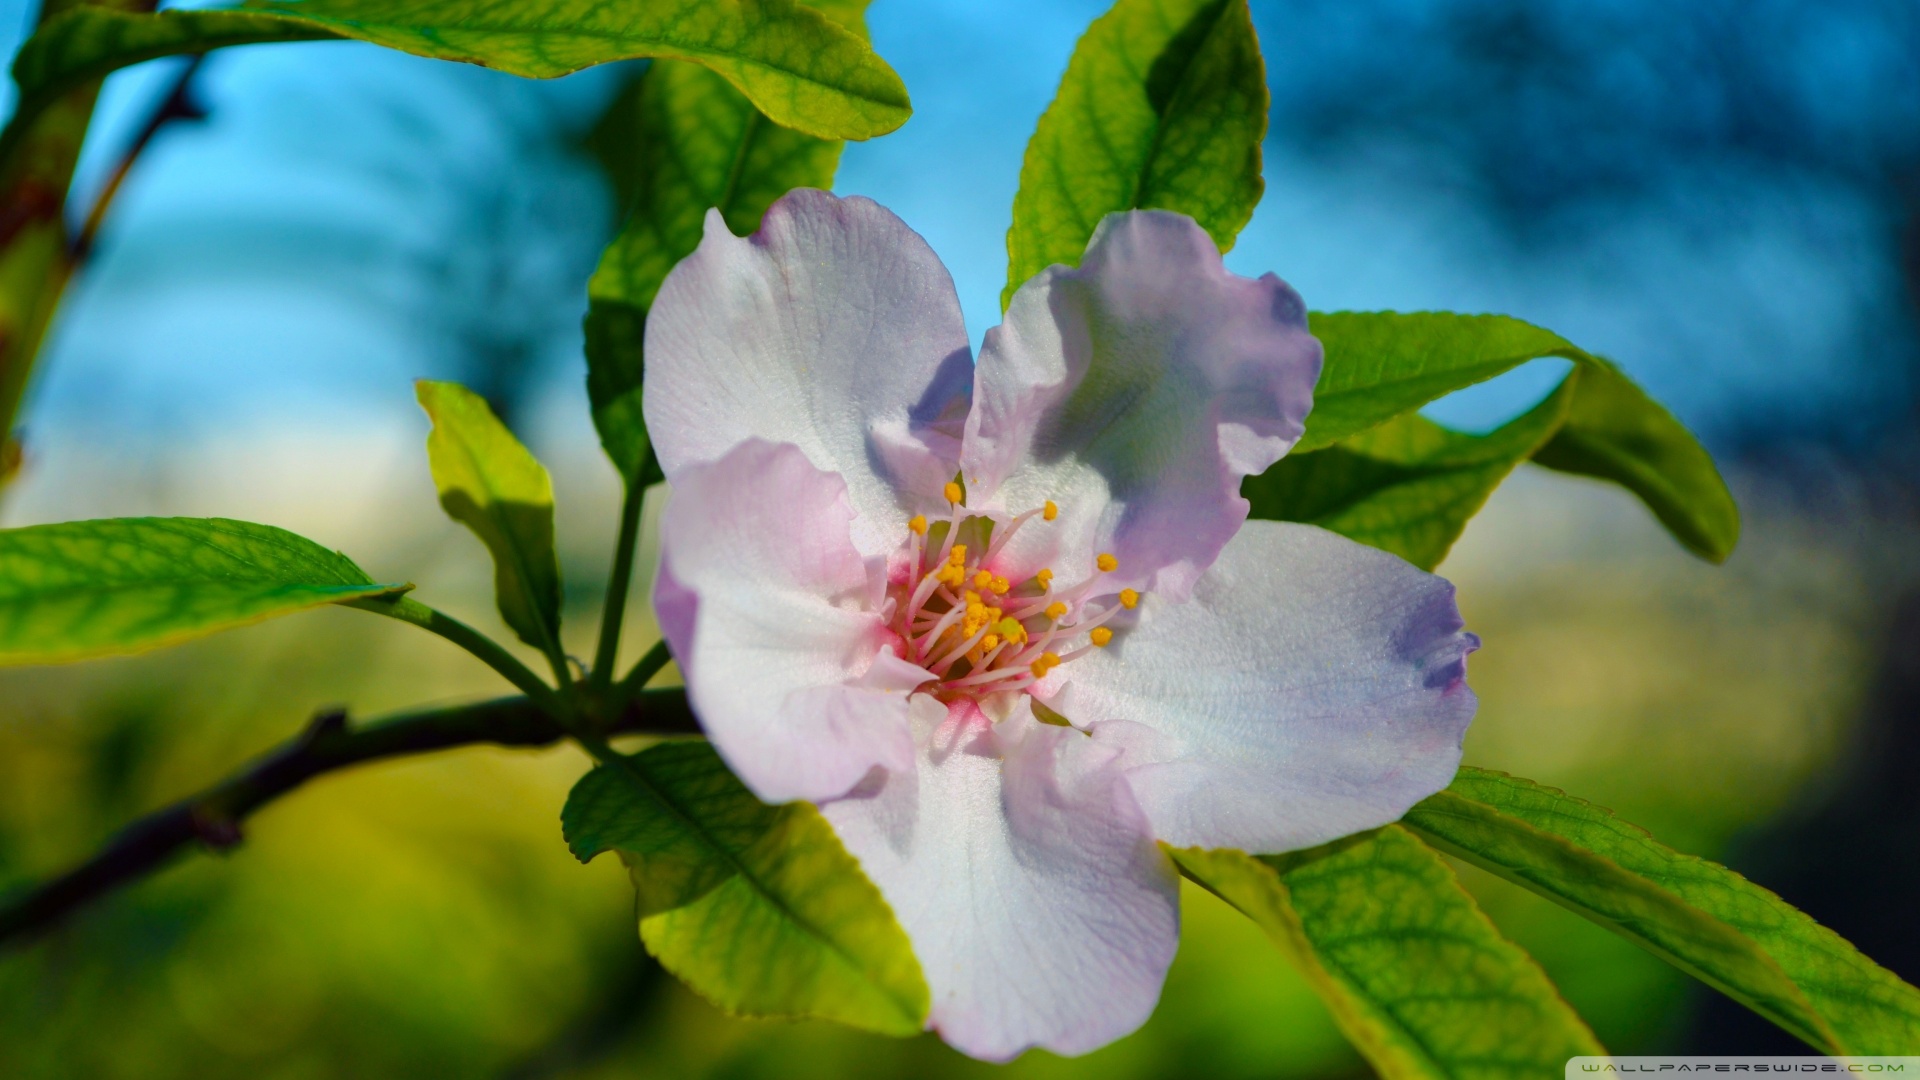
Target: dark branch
[179,104]
[329,743]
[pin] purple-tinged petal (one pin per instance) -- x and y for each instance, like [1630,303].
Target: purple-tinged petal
[1135,392]
[1041,910]
[773,616]
[1311,688]
[834,328]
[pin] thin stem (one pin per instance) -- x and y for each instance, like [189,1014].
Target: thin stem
[657,657]
[213,817]
[489,651]
[621,579]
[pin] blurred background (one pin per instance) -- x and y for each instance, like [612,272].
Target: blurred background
[1723,195]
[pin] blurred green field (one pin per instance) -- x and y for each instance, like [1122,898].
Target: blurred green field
[423,918]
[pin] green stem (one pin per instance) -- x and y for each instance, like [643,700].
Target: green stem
[657,657]
[621,579]
[489,651]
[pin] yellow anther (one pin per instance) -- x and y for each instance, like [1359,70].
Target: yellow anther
[918,524]
[1052,511]
[990,642]
[1101,635]
[1045,578]
[982,578]
[1047,662]
[1107,563]
[1056,611]
[1011,631]
[958,556]
[953,493]
[950,576]
[1129,599]
[999,585]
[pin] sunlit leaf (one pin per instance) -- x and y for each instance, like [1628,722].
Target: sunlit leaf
[679,141]
[492,485]
[758,908]
[1382,366]
[97,588]
[799,67]
[1414,974]
[1699,915]
[1163,105]
[1408,486]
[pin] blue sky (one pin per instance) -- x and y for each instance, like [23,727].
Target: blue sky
[288,261]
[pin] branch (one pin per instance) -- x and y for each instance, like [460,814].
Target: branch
[179,104]
[213,816]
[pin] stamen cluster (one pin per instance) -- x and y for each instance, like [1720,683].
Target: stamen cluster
[978,631]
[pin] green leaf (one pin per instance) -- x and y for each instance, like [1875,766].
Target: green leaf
[1384,364]
[758,908]
[673,862]
[679,141]
[798,66]
[1408,486]
[1412,971]
[492,485]
[1163,105]
[125,585]
[1614,431]
[1381,366]
[1695,914]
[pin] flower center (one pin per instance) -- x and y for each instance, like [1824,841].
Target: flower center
[980,632]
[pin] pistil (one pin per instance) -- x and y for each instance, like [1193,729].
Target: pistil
[979,632]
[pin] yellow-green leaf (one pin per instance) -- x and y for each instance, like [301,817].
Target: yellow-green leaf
[758,908]
[1614,431]
[1696,914]
[1163,105]
[1412,971]
[1382,366]
[673,829]
[491,484]
[123,585]
[1408,486]
[798,66]
[694,143]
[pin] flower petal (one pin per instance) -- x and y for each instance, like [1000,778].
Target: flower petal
[834,328]
[1038,904]
[772,615]
[1135,392]
[1311,688]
